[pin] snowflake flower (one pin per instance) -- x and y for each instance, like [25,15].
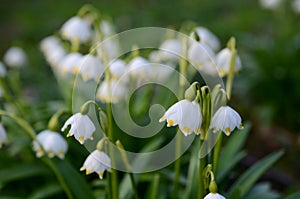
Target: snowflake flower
[82,127]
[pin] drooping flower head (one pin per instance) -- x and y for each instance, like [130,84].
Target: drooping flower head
[82,127]
[76,28]
[51,143]
[139,67]
[90,67]
[223,62]
[117,68]
[111,91]
[186,115]
[15,57]
[97,162]
[207,37]
[214,196]
[226,119]
[3,137]
[70,63]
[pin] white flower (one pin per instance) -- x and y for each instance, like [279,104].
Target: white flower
[15,57]
[270,4]
[139,67]
[169,50]
[111,91]
[82,127]
[214,196]
[117,68]
[50,142]
[53,50]
[223,61]
[296,6]
[70,63]
[202,57]
[90,67]
[186,114]
[2,70]
[76,29]
[97,162]
[107,28]
[161,72]
[207,37]
[3,137]
[226,119]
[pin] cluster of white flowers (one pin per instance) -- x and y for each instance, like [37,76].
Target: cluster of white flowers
[205,57]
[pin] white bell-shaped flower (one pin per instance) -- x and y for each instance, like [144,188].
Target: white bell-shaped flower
[226,119]
[186,115]
[223,62]
[15,57]
[97,162]
[214,196]
[76,29]
[207,37]
[82,127]
[202,57]
[139,67]
[117,68]
[90,67]
[70,63]
[3,136]
[51,143]
[3,71]
[169,51]
[107,28]
[270,4]
[296,6]
[112,91]
[53,50]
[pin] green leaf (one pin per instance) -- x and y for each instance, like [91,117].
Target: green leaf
[193,170]
[233,146]
[46,191]
[71,179]
[295,195]
[20,172]
[262,191]
[125,189]
[246,181]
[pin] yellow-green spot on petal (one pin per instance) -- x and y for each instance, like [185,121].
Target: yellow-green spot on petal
[186,129]
[227,130]
[61,154]
[87,172]
[75,70]
[241,126]
[197,131]
[81,139]
[69,134]
[85,77]
[82,168]
[170,122]
[222,72]
[51,154]
[100,175]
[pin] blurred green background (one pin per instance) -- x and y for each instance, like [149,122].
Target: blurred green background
[266,91]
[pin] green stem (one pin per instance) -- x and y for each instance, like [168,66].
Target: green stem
[114,177]
[31,133]
[183,70]
[155,187]
[22,123]
[202,165]
[128,167]
[9,98]
[231,67]
[217,150]
[59,177]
